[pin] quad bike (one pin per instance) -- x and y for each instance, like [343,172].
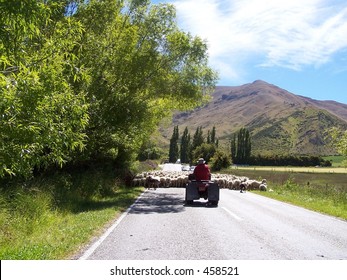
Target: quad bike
[202,189]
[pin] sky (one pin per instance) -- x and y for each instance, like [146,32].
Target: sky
[298,45]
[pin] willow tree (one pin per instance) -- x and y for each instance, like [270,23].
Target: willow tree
[142,67]
[42,117]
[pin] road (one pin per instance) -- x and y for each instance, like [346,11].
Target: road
[244,226]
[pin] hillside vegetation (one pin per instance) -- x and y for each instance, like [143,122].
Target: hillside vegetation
[280,122]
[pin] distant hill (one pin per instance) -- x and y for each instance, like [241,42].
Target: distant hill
[279,121]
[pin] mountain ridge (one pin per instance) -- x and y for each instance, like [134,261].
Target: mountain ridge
[280,122]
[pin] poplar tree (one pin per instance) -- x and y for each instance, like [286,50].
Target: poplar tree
[174,152]
[185,146]
[241,146]
[213,136]
[198,138]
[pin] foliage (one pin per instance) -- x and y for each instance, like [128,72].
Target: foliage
[150,151]
[219,161]
[241,147]
[84,80]
[211,137]
[143,67]
[288,160]
[198,138]
[185,150]
[192,150]
[42,117]
[205,151]
[173,152]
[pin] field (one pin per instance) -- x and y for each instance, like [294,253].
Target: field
[329,170]
[319,189]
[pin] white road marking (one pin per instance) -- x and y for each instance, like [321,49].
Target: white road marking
[97,243]
[232,214]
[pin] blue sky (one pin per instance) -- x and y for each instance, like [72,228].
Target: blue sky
[298,45]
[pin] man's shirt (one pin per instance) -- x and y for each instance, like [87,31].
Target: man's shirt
[202,172]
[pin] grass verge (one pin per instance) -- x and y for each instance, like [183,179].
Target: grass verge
[321,192]
[53,218]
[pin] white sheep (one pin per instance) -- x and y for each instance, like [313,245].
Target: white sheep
[179,179]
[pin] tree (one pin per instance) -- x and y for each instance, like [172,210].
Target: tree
[173,152]
[241,147]
[205,151]
[142,68]
[185,146]
[233,147]
[82,80]
[198,138]
[150,150]
[220,160]
[42,117]
[213,136]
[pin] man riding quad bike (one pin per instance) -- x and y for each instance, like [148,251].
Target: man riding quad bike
[201,186]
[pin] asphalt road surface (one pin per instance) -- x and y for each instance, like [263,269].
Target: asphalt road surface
[244,226]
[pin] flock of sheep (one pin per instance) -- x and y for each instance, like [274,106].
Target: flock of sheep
[179,179]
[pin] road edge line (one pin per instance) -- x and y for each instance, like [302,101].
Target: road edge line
[97,243]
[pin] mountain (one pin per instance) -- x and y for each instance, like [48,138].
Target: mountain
[280,122]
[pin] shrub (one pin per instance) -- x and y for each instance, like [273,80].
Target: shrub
[220,160]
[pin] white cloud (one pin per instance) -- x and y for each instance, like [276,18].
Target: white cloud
[290,34]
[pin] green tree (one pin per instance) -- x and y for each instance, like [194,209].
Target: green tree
[142,67]
[241,147]
[174,152]
[150,150]
[233,147]
[208,139]
[205,151]
[220,160]
[213,136]
[42,117]
[82,80]
[185,146]
[198,138]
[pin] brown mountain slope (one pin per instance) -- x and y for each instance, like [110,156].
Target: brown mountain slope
[280,122]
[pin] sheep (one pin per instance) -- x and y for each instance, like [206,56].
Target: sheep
[236,184]
[152,182]
[254,185]
[179,179]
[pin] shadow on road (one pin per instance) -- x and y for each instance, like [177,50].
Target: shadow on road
[200,204]
[153,202]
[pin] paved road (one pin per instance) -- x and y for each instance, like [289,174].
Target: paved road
[244,226]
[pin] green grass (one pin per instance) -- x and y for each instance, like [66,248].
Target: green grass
[53,218]
[321,192]
[337,161]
